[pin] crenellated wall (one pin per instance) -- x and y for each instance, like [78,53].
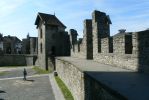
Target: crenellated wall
[82,85]
[83,48]
[128,50]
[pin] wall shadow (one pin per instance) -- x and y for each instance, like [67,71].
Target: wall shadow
[116,86]
[143,51]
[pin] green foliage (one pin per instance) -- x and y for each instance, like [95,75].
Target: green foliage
[40,71]
[67,94]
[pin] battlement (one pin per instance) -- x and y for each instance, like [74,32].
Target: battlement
[125,49]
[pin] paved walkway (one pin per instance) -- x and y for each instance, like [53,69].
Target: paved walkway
[16,72]
[132,85]
[37,87]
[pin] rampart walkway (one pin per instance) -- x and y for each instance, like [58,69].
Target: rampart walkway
[130,84]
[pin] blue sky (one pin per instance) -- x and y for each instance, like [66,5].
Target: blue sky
[17,17]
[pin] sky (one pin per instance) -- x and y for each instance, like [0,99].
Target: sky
[17,17]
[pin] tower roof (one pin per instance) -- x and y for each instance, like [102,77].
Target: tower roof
[48,19]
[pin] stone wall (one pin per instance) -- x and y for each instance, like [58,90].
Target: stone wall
[33,45]
[81,85]
[41,46]
[17,60]
[83,48]
[119,43]
[30,60]
[141,48]
[122,43]
[125,49]
[100,29]
[94,90]
[72,77]
[130,51]
[126,61]
[105,45]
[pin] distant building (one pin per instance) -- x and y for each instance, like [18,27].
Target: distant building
[26,45]
[11,45]
[29,45]
[1,43]
[53,40]
[33,45]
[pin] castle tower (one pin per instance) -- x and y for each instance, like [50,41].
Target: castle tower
[73,37]
[1,42]
[52,38]
[33,45]
[88,38]
[101,29]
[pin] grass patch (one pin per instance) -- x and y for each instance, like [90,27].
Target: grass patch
[67,94]
[2,73]
[40,71]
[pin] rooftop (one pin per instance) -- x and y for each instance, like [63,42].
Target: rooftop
[48,19]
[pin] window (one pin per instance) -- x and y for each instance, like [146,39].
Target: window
[40,33]
[40,47]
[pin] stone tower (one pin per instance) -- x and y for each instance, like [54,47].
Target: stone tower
[101,29]
[33,45]
[88,38]
[53,40]
[73,38]
[1,43]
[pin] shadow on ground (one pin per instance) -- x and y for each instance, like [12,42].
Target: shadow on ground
[2,92]
[29,80]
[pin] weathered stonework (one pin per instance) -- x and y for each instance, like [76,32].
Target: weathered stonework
[17,60]
[33,45]
[53,40]
[101,29]
[81,85]
[73,78]
[126,49]
[83,47]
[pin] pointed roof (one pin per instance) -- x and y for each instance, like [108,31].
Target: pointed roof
[48,19]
